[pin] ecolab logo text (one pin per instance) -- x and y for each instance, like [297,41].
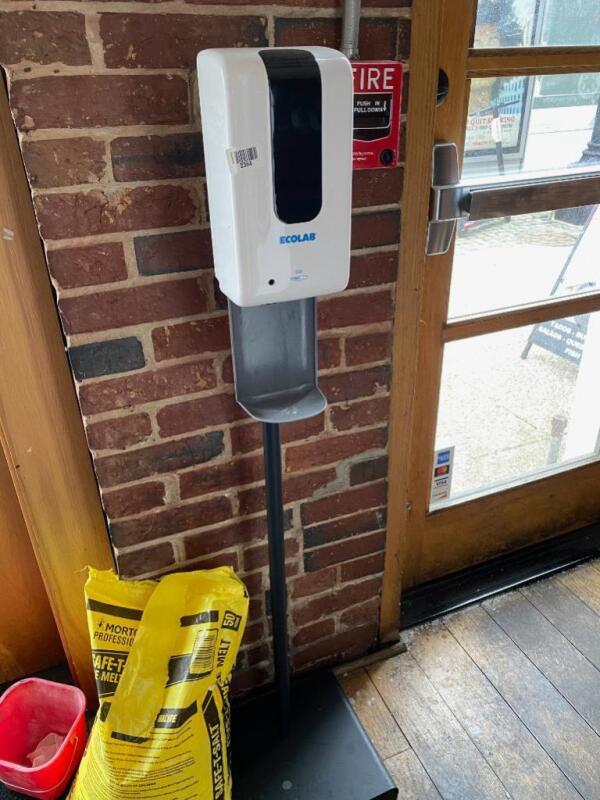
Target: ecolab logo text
[295,238]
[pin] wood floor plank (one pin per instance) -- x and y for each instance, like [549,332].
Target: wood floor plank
[454,764]
[585,583]
[565,736]
[376,718]
[571,673]
[567,612]
[410,777]
[523,766]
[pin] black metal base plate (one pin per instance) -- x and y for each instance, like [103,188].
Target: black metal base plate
[325,756]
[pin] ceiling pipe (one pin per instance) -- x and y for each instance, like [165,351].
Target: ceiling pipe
[350,26]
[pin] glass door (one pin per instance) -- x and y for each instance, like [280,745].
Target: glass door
[496,403]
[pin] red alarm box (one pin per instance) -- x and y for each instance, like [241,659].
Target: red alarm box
[377,104]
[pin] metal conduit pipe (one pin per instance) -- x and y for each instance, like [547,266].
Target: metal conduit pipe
[350,27]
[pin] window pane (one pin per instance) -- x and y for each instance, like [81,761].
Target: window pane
[519,404]
[544,123]
[512,261]
[536,23]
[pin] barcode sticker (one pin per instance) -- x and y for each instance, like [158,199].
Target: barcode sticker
[205,648]
[240,158]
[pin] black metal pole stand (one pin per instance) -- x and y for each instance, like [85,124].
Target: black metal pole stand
[319,751]
[274,493]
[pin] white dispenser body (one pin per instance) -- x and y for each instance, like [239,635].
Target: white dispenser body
[277,130]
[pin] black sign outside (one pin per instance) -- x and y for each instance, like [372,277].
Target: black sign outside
[563,337]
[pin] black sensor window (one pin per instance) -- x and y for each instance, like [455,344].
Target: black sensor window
[296,113]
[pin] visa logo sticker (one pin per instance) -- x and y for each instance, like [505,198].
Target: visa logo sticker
[441,480]
[295,238]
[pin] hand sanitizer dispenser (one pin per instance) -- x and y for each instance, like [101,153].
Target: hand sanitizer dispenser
[277,130]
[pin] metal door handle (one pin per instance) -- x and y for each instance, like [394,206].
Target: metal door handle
[447,195]
[504,196]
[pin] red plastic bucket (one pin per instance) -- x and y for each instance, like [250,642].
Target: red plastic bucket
[29,710]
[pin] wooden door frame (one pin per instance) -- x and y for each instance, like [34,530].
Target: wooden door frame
[41,430]
[420,330]
[426,25]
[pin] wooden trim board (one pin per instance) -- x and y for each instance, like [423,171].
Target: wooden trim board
[425,39]
[40,425]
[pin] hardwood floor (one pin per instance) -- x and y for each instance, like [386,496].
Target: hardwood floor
[500,700]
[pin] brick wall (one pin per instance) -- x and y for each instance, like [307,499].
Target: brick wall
[104,99]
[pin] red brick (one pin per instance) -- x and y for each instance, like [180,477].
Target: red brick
[189,338]
[346,386]
[90,101]
[156,459]
[309,3]
[363,614]
[375,229]
[405,91]
[295,487]
[314,582]
[47,37]
[158,41]
[221,476]
[227,371]
[220,560]
[62,216]
[197,414]
[386,3]
[258,654]
[377,36]
[371,495]
[120,433]
[361,567]
[144,387]
[344,527]
[169,521]
[330,353]
[341,598]
[402,153]
[258,556]
[144,158]
[376,187]
[355,309]
[366,471]
[373,269]
[64,162]
[256,608]
[133,499]
[314,632]
[332,449]
[346,550]
[368,347]
[147,559]
[131,306]
[253,633]
[87,266]
[244,680]
[245,438]
[403,53]
[361,413]
[242,532]
[340,647]
[218,296]
[180,251]
[254,584]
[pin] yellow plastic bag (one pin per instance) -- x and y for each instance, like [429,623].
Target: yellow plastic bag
[163,654]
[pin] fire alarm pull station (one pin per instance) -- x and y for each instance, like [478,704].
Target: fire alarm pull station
[377,106]
[277,131]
